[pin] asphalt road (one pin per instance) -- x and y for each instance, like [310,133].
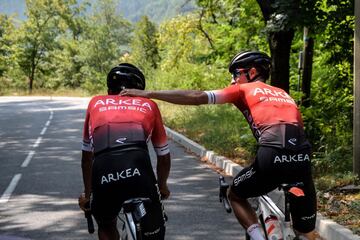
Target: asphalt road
[40,178]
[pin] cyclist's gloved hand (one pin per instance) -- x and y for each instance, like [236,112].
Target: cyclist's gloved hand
[164,191]
[84,202]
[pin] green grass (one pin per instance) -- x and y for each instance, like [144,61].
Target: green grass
[220,128]
[46,92]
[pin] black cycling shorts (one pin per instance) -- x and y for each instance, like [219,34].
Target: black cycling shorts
[120,175]
[274,166]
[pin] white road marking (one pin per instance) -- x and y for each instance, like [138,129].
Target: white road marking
[28,159]
[9,190]
[43,131]
[38,140]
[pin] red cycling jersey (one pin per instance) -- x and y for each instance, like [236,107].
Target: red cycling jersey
[113,120]
[266,108]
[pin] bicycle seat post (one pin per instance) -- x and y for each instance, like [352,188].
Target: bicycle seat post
[138,231]
[286,189]
[287,206]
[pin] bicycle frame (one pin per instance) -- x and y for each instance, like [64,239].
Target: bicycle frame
[132,211]
[128,227]
[264,204]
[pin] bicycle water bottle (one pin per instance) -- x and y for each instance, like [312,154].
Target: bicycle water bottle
[273,228]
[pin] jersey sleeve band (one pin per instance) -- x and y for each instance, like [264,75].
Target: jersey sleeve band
[211,97]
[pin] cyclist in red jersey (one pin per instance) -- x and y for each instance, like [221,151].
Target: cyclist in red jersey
[115,161]
[283,154]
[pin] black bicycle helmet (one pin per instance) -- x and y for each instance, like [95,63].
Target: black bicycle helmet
[125,75]
[247,59]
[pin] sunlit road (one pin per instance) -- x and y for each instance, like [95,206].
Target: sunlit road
[40,178]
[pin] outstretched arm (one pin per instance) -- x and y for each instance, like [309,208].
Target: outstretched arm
[184,97]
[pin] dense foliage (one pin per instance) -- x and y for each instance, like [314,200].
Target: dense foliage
[70,44]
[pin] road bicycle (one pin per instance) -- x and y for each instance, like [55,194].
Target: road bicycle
[272,219]
[132,210]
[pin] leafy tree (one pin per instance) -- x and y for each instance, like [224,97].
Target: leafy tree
[105,40]
[67,62]
[231,26]
[6,30]
[242,26]
[67,65]
[73,15]
[181,41]
[183,49]
[197,48]
[144,45]
[328,120]
[37,36]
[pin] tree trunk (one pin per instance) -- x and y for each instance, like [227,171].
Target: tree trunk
[356,117]
[32,70]
[280,46]
[307,68]
[31,80]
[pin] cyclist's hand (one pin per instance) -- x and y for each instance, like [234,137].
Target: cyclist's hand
[84,203]
[164,192]
[133,93]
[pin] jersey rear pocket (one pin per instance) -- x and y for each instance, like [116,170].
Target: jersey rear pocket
[114,135]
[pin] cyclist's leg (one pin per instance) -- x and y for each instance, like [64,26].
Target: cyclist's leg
[242,209]
[116,176]
[105,217]
[105,212]
[252,181]
[102,207]
[153,223]
[246,216]
[105,205]
[145,185]
[303,209]
[108,230]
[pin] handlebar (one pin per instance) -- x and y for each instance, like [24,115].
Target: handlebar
[90,223]
[223,186]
